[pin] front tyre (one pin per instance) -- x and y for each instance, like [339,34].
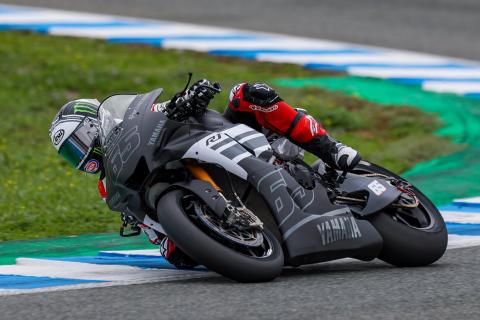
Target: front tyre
[218,254]
[413,237]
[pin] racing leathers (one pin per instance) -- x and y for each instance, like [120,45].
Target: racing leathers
[258,106]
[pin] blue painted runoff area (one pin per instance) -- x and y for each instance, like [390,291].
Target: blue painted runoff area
[30,282]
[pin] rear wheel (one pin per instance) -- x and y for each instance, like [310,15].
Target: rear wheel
[413,236]
[242,255]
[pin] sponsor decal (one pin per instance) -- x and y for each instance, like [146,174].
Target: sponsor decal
[92,166]
[84,108]
[213,139]
[262,87]
[377,187]
[58,136]
[336,229]
[234,91]
[156,133]
[254,107]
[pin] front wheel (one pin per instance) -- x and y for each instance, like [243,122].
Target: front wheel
[411,237]
[238,255]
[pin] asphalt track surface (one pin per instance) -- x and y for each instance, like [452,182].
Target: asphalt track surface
[446,27]
[352,290]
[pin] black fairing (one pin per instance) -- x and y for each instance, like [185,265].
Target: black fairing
[312,228]
[144,142]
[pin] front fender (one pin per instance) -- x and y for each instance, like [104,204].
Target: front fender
[205,191]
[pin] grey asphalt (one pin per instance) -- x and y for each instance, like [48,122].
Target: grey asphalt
[354,290]
[447,27]
[449,289]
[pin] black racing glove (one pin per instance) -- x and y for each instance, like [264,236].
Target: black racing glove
[195,100]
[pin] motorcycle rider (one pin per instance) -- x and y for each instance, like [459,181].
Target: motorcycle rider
[75,129]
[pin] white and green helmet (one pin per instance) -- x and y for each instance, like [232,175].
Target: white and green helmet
[74,134]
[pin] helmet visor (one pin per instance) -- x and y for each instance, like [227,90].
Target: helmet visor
[77,147]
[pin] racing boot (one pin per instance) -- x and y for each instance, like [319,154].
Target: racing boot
[332,152]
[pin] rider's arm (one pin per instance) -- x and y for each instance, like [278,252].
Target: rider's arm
[261,104]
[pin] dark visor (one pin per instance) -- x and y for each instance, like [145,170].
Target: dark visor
[76,148]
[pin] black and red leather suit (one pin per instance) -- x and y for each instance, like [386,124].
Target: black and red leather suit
[258,105]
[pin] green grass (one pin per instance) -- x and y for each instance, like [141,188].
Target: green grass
[41,196]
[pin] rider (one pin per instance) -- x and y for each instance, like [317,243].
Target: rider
[74,133]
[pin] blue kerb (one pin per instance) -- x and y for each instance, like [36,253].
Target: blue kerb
[153,262]
[473,95]
[463,229]
[460,208]
[251,54]
[31,282]
[45,27]
[156,40]
[345,66]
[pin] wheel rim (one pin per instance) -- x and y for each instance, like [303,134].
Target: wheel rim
[252,243]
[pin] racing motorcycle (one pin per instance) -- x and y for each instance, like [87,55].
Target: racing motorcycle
[245,205]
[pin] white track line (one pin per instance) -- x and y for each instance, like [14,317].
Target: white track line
[461,217]
[52,16]
[88,271]
[148,31]
[354,58]
[452,87]
[415,73]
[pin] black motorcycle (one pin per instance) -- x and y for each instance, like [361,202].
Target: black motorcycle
[245,206]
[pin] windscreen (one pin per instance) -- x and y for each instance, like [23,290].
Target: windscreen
[112,111]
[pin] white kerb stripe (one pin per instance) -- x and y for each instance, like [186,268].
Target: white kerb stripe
[452,87]
[468,200]
[460,241]
[52,16]
[352,58]
[440,73]
[83,271]
[461,217]
[286,43]
[151,31]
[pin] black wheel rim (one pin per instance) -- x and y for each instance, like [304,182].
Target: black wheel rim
[253,244]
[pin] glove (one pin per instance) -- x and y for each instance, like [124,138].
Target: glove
[194,102]
[201,93]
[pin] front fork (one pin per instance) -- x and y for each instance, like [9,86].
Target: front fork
[235,214]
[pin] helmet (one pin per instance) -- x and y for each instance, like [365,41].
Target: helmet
[74,133]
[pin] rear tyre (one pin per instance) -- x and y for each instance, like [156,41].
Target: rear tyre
[416,237]
[215,253]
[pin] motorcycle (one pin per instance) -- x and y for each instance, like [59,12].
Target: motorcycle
[245,205]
